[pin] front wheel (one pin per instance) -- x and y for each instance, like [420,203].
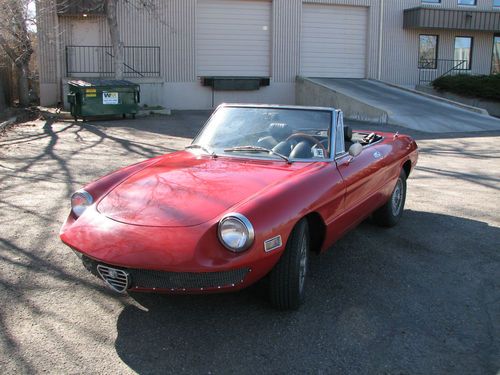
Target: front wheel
[287,279]
[389,214]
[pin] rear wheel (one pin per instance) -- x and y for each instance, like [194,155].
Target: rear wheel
[389,214]
[287,279]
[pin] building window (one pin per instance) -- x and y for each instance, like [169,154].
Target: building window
[431,1]
[495,65]
[427,52]
[463,52]
[496,3]
[466,2]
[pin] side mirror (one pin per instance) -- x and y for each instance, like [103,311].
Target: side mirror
[355,149]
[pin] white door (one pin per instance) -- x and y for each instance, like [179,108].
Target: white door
[84,58]
[334,41]
[85,32]
[233,38]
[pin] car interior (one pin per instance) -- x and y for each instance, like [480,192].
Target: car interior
[308,144]
[301,144]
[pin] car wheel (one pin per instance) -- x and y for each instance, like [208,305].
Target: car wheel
[389,214]
[288,278]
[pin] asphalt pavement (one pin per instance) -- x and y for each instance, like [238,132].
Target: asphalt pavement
[420,298]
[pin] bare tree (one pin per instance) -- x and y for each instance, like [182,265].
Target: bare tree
[116,41]
[114,31]
[15,40]
[3,102]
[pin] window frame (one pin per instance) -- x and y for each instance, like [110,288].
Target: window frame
[436,54]
[339,134]
[471,50]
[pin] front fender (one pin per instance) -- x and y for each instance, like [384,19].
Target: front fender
[279,208]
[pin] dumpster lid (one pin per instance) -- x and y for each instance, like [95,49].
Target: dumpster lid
[101,82]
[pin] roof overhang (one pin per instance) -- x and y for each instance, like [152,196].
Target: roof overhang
[455,19]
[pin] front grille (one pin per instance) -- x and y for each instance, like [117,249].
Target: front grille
[139,278]
[115,278]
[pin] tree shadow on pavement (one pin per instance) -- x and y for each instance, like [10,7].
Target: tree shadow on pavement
[41,165]
[419,298]
[183,124]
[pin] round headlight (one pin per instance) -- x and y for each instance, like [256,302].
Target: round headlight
[80,201]
[236,232]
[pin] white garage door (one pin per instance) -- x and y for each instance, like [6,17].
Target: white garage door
[333,42]
[233,38]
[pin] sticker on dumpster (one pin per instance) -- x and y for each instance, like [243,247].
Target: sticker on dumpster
[109,97]
[91,93]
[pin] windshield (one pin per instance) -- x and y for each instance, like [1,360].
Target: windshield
[290,134]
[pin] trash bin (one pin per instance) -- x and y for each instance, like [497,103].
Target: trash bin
[103,97]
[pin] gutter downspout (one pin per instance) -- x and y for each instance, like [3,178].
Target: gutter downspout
[380,39]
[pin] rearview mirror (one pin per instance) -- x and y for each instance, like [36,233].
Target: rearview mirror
[355,149]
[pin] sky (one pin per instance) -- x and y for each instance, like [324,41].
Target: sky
[32,12]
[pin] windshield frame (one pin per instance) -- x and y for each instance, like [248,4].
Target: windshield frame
[331,131]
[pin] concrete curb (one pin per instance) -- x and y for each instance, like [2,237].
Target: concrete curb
[7,123]
[430,96]
[311,92]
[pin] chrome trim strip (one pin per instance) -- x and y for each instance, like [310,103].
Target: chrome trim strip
[284,106]
[333,147]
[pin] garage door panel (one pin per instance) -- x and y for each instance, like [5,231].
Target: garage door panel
[333,41]
[233,38]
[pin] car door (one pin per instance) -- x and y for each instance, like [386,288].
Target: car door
[364,177]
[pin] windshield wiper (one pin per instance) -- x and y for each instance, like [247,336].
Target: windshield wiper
[257,149]
[211,153]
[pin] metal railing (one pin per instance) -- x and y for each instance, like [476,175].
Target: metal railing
[98,61]
[432,69]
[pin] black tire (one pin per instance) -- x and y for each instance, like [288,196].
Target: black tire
[389,214]
[287,279]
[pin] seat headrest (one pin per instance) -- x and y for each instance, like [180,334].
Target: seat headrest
[280,131]
[347,133]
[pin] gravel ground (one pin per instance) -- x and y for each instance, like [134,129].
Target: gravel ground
[420,298]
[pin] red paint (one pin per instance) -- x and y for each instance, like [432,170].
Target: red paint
[162,214]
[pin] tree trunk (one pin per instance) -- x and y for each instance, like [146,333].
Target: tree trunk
[23,84]
[3,102]
[116,42]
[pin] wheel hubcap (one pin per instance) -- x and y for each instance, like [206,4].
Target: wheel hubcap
[303,264]
[397,198]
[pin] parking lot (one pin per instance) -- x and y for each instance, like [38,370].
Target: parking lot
[420,298]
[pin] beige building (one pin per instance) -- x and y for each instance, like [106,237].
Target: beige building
[194,54]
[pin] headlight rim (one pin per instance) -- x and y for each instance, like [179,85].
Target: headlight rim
[88,197]
[248,225]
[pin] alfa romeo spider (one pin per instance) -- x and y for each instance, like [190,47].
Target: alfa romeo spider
[260,189]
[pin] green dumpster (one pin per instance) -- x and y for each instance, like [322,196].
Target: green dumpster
[103,97]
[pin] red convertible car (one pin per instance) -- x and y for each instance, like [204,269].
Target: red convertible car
[258,190]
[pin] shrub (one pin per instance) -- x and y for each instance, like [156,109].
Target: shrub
[480,86]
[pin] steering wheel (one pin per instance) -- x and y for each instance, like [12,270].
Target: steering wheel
[310,138]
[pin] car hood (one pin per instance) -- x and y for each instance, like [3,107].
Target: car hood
[183,189]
